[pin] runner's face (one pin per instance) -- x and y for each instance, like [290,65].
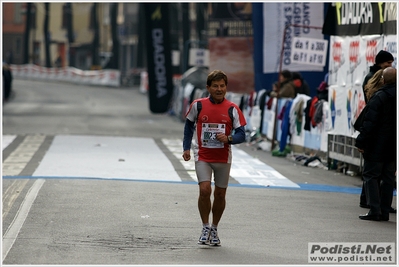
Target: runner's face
[217,90]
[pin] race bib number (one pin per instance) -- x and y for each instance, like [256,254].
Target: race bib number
[209,132]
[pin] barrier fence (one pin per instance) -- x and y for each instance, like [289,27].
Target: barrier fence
[67,74]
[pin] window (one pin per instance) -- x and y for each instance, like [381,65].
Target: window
[92,23]
[18,47]
[66,15]
[33,16]
[17,12]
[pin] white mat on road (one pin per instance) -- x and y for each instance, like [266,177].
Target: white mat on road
[7,140]
[106,157]
[251,171]
[245,169]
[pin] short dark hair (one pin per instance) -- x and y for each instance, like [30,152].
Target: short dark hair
[286,74]
[216,75]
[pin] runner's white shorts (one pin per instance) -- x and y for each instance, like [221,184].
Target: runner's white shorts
[221,172]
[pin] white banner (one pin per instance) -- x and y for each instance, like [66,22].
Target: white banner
[346,103]
[309,51]
[391,45]
[69,74]
[350,61]
[351,57]
[198,57]
[275,17]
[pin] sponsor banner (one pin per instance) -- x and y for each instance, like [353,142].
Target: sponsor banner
[69,74]
[357,60]
[230,44]
[309,51]
[351,57]
[198,57]
[276,17]
[360,18]
[391,45]
[337,60]
[346,103]
[350,61]
[160,83]
[349,252]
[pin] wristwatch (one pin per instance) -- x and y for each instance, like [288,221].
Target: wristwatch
[230,139]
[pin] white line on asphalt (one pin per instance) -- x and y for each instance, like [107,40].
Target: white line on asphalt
[11,194]
[20,157]
[13,230]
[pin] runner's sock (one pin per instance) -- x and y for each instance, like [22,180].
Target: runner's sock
[206,225]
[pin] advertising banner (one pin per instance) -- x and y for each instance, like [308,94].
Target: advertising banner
[309,51]
[230,41]
[276,17]
[346,103]
[391,45]
[159,59]
[351,57]
[360,18]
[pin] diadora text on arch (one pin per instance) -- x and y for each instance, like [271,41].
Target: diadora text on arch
[362,12]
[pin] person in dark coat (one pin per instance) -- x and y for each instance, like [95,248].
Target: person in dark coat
[377,142]
[322,91]
[383,60]
[285,88]
[301,86]
[7,82]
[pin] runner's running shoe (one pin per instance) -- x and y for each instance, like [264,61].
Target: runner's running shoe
[204,238]
[214,238]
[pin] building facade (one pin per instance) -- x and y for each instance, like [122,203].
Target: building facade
[65,49]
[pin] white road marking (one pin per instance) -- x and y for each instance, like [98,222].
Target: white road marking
[7,140]
[245,169]
[251,171]
[19,158]
[11,194]
[176,147]
[106,157]
[13,230]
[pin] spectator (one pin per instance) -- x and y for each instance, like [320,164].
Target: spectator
[382,60]
[377,142]
[301,86]
[322,91]
[373,84]
[7,82]
[284,87]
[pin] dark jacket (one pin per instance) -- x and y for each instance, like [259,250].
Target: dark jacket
[287,89]
[378,133]
[373,70]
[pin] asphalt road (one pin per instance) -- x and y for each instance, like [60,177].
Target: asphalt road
[60,205]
